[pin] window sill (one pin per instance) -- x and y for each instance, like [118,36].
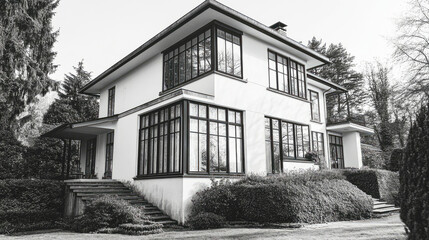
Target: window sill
[231,76]
[287,94]
[319,122]
[191,175]
[142,177]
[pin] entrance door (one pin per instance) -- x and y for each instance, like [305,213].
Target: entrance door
[90,158]
[336,151]
[109,156]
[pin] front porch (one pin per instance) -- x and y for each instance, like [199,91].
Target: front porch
[88,148]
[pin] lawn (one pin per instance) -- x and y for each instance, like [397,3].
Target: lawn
[389,227]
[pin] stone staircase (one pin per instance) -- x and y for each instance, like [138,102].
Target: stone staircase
[381,207]
[80,191]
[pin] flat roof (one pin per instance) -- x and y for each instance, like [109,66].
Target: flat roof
[212,4]
[326,82]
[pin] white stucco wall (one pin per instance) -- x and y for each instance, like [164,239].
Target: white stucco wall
[144,83]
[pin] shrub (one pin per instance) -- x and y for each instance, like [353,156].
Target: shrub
[291,197]
[134,229]
[205,220]
[372,157]
[378,183]
[27,204]
[107,212]
[414,172]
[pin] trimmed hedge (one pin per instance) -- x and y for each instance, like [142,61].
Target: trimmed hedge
[310,196]
[27,204]
[205,220]
[109,214]
[414,178]
[378,183]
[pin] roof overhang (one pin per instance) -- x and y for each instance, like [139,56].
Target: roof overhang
[206,12]
[83,130]
[323,83]
[350,127]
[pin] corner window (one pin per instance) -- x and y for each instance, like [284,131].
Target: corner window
[228,52]
[286,75]
[215,139]
[109,155]
[314,105]
[111,102]
[285,140]
[193,56]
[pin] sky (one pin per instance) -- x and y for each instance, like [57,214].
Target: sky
[101,32]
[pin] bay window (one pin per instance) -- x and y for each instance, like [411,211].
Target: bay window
[209,137]
[194,56]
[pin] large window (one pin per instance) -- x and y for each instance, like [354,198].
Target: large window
[215,139]
[286,75]
[111,102]
[193,56]
[160,141]
[315,107]
[285,140]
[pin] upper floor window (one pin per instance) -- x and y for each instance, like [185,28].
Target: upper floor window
[286,75]
[228,53]
[111,102]
[193,57]
[315,107]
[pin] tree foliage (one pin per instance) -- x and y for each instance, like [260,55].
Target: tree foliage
[412,48]
[340,71]
[71,105]
[414,172]
[26,55]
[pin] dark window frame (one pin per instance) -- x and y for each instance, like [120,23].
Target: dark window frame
[110,138]
[212,26]
[315,139]
[149,127]
[208,120]
[340,164]
[311,106]
[289,75]
[295,139]
[111,101]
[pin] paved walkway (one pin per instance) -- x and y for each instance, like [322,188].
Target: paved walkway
[387,228]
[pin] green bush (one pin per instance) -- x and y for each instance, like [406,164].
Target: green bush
[310,196]
[378,183]
[414,180]
[27,204]
[107,212]
[205,220]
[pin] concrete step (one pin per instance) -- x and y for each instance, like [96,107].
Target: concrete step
[385,210]
[383,206]
[95,184]
[167,222]
[161,217]
[103,191]
[153,212]
[379,203]
[121,195]
[114,186]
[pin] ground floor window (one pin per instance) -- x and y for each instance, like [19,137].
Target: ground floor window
[215,139]
[285,140]
[209,137]
[159,141]
[336,151]
[318,143]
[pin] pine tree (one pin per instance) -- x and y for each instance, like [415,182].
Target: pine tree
[340,71]
[26,55]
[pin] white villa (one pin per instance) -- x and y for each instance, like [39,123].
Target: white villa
[216,94]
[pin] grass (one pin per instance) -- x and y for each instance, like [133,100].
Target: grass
[389,227]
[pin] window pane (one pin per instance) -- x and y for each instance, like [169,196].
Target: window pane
[208,54]
[193,109]
[193,152]
[239,156]
[222,154]
[194,61]
[201,55]
[188,64]
[221,113]
[214,161]
[202,111]
[213,113]
[237,60]
[273,79]
[202,152]
[232,155]
[221,60]
[182,67]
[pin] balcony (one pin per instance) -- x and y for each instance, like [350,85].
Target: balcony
[340,118]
